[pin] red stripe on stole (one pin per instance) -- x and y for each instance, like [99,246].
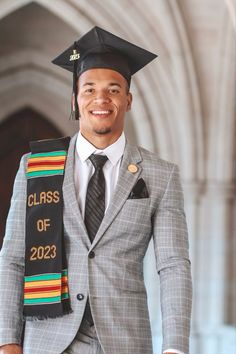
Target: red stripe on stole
[46,163]
[42,289]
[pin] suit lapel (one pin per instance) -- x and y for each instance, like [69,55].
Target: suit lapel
[69,192]
[126,182]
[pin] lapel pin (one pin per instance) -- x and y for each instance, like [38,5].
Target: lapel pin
[132,168]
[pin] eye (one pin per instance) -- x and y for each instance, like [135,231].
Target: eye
[114,90]
[89,91]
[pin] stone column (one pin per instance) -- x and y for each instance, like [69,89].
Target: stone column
[213,275]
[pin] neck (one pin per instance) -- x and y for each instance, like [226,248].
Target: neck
[101,141]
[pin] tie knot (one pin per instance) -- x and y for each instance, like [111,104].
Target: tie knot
[98,161]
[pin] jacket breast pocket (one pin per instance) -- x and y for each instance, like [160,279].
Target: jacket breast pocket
[135,215]
[137,205]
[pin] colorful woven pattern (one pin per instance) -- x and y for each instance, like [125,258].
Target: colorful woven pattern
[46,164]
[46,288]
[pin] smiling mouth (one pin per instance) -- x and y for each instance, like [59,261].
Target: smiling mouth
[101,113]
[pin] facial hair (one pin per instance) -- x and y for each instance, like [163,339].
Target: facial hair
[103,131]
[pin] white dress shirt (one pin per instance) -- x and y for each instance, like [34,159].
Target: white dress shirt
[84,170]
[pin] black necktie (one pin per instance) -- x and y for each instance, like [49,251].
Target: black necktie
[94,207]
[95,198]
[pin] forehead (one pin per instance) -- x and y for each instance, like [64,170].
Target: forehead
[101,75]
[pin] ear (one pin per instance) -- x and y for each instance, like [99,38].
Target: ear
[129,101]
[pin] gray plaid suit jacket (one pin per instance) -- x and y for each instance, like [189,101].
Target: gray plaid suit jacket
[114,277]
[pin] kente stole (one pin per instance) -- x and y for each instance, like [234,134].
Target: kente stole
[46,293]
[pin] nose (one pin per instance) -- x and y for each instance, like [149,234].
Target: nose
[101,98]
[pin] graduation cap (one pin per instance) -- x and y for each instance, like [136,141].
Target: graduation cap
[101,49]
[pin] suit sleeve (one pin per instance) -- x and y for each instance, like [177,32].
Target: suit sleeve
[12,264]
[173,265]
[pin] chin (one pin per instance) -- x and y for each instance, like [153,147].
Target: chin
[102,131]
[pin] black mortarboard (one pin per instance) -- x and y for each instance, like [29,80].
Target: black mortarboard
[101,49]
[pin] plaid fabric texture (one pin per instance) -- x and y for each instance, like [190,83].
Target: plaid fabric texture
[113,277]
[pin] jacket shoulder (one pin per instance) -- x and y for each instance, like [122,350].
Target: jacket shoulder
[153,159]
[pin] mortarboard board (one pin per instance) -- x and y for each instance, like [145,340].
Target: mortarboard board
[101,49]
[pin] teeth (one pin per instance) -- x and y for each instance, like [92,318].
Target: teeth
[100,112]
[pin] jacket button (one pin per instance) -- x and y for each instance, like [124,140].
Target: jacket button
[80,297]
[91,254]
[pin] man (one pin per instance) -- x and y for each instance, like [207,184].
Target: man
[115,198]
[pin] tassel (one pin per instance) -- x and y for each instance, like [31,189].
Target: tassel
[75,108]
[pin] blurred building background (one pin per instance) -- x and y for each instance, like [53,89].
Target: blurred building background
[184,109]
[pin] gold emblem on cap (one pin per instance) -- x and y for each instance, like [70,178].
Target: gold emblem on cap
[132,168]
[75,55]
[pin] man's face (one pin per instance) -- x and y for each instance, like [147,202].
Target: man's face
[103,100]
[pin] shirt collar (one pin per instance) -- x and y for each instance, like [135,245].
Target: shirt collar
[114,151]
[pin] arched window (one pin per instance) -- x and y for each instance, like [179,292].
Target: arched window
[16,132]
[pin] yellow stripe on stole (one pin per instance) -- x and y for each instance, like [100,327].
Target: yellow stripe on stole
[45,168]
[42,294]
[33,284]
[50,158]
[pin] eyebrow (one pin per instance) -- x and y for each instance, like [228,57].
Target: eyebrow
[89,83]
[114,84]
[93,84]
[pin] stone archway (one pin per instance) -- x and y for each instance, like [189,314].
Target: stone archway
[173,79]
[15,133]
